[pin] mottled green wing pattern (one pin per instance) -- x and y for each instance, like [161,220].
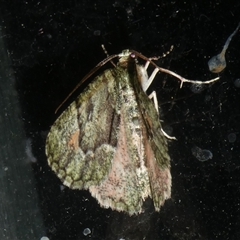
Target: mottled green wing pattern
[127,185]
[82,142]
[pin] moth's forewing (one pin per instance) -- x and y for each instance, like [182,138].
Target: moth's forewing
[81,143]
[109,140]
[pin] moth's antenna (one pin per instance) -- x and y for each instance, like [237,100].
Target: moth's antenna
[163,55]
[157,58]
[99,65]
[106,52]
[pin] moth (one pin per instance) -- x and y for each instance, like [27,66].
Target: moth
[110,140]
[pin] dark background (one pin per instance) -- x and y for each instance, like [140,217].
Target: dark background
[53,44]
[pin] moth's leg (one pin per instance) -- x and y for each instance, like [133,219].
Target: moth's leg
[156,70]
[149,61]
[153,96]
[167,136]
[147,82]
[146,65]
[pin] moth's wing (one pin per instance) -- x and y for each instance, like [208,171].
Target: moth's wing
[127,185]
[157,157]
[82,142]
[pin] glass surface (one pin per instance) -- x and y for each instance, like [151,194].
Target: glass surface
[45,50]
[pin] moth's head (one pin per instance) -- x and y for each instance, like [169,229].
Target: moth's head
[126,57]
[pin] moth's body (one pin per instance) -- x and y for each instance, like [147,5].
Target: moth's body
[109,141]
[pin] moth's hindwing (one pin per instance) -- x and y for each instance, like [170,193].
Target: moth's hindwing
[156,150]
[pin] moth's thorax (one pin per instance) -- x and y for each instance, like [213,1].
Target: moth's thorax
[128,60]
